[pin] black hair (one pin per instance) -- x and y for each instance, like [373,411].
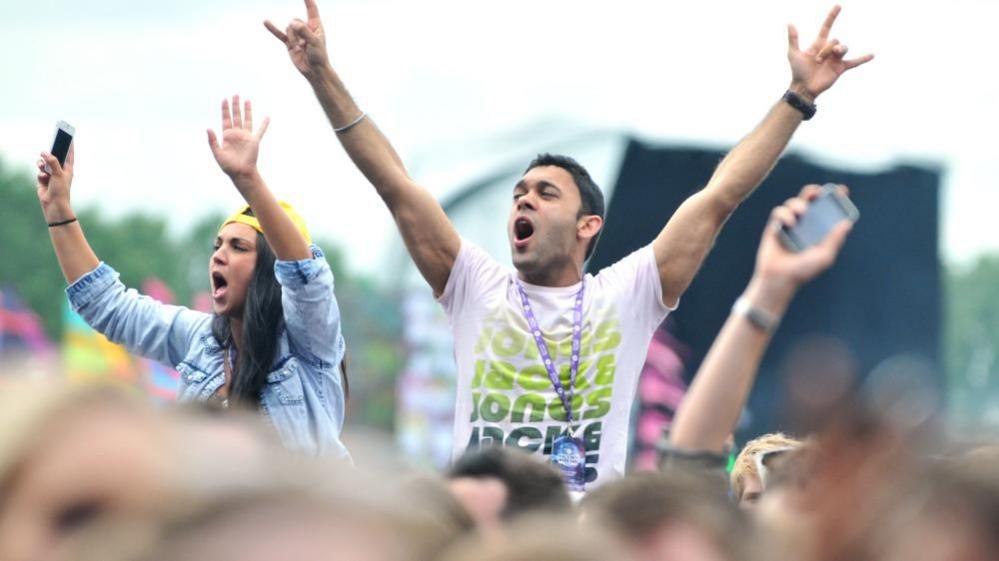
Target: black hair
[590,195]
[532,485]
[263,320]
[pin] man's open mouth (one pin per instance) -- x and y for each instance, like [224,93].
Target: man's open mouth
[523,229]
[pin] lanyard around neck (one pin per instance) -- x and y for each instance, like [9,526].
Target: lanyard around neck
[577,336]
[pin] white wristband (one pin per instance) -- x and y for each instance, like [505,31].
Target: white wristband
[352,123]
[761,319]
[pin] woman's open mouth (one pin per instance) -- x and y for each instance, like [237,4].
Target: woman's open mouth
[219,285]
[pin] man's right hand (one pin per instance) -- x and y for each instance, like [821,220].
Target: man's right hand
[305,41]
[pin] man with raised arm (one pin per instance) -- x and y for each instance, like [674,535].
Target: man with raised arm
[548,358]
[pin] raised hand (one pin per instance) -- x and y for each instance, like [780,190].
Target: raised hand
[775,263]
[815,69]
[237,155]
[305,41]
[53,188]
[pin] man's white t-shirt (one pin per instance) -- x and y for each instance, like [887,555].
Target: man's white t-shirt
[504,393]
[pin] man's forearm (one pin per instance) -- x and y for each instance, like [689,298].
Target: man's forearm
[334,98]
[429,235]
[369,149]
[688,236]
[745,167]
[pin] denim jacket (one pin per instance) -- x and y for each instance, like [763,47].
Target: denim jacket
[303,396]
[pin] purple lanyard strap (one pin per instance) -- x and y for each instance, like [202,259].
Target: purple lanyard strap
[577,336]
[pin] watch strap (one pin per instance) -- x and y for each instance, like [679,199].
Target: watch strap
[794,100]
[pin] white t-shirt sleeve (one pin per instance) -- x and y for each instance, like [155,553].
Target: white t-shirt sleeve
[637,287]
[474,270]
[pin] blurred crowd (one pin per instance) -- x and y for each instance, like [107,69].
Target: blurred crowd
[94,472]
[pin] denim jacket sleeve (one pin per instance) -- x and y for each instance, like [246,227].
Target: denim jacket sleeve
[146,327]
[311,314]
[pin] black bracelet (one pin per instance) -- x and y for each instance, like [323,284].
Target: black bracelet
[63,223]
[794,100]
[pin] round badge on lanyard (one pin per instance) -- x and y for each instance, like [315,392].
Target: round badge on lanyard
[568,451]
[569,455]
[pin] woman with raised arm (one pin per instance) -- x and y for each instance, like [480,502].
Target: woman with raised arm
[273,340]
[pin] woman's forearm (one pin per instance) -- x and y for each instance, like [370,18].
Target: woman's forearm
[75,256]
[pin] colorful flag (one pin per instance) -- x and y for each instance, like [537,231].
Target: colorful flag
[88,355]
[21,330]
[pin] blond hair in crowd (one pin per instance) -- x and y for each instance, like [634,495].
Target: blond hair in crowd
[746,471]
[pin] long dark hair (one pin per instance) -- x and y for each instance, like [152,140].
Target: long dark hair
[263,320]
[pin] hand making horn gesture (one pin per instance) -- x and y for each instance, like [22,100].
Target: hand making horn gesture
[305,40]
[815,69]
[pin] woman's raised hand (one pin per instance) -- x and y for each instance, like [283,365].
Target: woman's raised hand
[237,154]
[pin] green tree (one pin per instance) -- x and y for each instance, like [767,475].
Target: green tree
[28,263]
[972,339]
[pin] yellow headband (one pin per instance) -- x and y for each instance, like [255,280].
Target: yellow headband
[245,216]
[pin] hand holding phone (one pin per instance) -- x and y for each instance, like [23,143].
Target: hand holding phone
[60,145]
[830,208]
[55,176]
[803,238]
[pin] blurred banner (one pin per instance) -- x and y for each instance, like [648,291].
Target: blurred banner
[661,388]
[425,387]
[161,383]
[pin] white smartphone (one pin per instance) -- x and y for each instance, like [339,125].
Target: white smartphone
[60,145]
[824,213]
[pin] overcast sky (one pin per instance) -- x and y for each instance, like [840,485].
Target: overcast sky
[450,80]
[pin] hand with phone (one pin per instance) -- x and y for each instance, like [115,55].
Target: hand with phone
[803,239]
[60,144]
[55,176]
[76,257]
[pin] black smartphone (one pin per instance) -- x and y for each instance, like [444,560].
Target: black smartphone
[60,145]
[824,213]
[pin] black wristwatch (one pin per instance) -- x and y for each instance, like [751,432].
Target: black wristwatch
[794,100]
